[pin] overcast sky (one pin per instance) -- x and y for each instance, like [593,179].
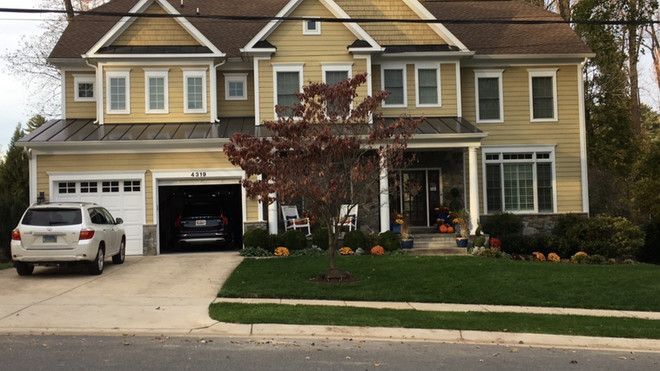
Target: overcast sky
[14,98]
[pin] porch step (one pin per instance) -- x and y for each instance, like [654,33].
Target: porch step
[436,251]
[435,244]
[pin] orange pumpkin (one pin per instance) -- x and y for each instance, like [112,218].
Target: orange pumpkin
[450,229]
[443,228]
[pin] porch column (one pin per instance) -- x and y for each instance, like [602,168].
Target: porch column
[272,217]
[474,188]
[384,198]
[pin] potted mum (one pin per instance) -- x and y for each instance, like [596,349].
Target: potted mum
[398,221]
[462,226]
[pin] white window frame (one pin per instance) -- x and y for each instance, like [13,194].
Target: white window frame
[489,74]
[307,31]
[520,149]
[195,72]
[83,79]
[236,77]
[125,74]
[402,67]
[286,68]
[552,72]
[336,67]
[428,66]
[156,73]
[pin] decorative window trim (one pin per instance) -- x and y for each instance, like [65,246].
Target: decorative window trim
[307,31]
[428,66]
[83,79]
[236,77]
[399,66]
[194,72]
[336,67]
[500,160]
[156,73]
[489,74]
[286,68]
[126,74]
[547,72]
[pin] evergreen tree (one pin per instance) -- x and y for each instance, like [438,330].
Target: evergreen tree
[14,197]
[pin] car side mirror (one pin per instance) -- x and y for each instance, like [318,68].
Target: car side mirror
[119,221]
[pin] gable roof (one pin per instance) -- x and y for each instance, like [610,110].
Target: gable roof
[230,36]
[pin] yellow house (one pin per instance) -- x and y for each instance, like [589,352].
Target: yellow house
[149,101]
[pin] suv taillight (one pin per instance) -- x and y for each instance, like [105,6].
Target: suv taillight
[86,234]
[16,235]
[177,222]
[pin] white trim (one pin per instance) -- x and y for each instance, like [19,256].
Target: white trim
[100,116]
[459,91]
[395,66]
[584,169]
[428,66]
[213,91]
[282,67]
[336,67]
[127,21]
[195,72]
[307,31]
[337,11]
[489,74]
[116,74]
[33,177]
[543,72]
[84,79]
[439,28]
[473,187]
[156,73]
[63,92]
[236,77]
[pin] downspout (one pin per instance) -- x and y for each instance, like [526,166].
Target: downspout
[98,94]
[214,91]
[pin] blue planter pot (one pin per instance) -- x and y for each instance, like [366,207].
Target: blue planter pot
[395,228]
[407,244]
[462,242]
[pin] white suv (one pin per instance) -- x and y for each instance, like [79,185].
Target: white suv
[58,233]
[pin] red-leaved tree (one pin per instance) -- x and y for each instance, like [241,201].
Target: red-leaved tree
[327,150]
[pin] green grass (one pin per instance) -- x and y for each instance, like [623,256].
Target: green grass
[506,322]
[466,280]
[5,266]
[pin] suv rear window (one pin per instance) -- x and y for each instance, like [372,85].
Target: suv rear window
[201,209]
[52,217]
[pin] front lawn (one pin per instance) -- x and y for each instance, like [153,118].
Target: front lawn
[505,322]
[467,280]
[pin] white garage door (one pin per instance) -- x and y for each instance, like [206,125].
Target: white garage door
[123,198]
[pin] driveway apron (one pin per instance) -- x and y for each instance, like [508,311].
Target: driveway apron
[166,292]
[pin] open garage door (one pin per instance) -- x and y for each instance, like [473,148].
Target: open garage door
[123,198]
[194,218]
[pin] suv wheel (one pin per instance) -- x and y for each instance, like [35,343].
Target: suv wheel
[24,269]
[96,266]
[121,255]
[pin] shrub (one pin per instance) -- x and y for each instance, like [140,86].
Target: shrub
[479,241]
[377,250]
[493,253]
[346,251]
[580,257]
[293,240]
[596,259]
[495,243]
[254,252]
[503,226]
[526,245]
[651,251]
[552,257]
[389,241]
[282,251]
[612,237]
[355,240]
[360,251]
[256,238]
[538,256]
[320,238]
[312,251]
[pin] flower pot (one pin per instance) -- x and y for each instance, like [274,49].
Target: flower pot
[407,244]
[462,242]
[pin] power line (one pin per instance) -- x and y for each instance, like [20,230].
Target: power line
[550,20]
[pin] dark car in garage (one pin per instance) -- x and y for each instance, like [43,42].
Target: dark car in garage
[202,223]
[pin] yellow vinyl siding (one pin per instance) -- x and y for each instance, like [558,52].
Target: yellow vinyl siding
[390,33]
[155,31]
[447,93]
[77,110]
[235,108]
[312,51]
[518,130]
[137,97]
[149,162]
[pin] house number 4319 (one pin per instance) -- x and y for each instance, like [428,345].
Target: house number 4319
[198,174]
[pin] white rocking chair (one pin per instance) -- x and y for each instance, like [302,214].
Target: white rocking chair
[292,219]
[348,219]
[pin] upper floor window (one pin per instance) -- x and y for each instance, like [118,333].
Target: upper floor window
[156,92]
[490,106]
[235,86]
[311,27]
[543,95]
[194,94]
[393,79]
[83,88]
[119,96]
[333,74]
[427,81]
[288,83]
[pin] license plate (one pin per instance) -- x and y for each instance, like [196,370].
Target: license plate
[200,223]
[50,239]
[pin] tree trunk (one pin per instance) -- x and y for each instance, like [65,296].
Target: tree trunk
[633,51]
[564,9]
[69,10]
[332,248]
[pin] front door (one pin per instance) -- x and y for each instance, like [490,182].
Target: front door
[417,194]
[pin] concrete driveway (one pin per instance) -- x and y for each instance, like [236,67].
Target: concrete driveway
[169,293]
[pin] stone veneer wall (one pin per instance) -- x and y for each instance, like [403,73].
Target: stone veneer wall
[149,238]
[534,223]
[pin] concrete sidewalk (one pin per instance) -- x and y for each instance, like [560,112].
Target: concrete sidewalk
[446,307]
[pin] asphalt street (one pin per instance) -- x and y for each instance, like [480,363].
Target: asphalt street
[170,353]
